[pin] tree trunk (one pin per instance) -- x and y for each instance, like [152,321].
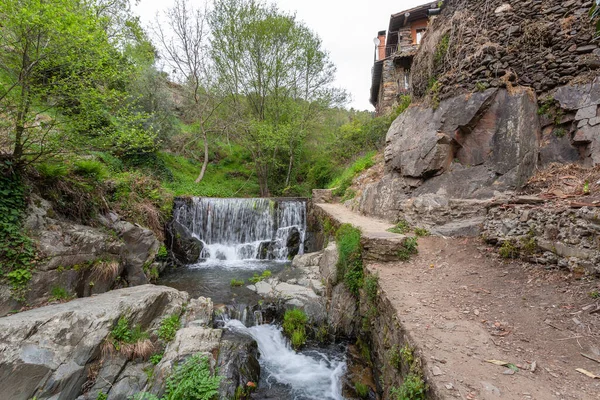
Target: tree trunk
[289,173]
[263,183]
[205,163]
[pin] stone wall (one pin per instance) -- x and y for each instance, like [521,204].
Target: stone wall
[477,44]
[565,237]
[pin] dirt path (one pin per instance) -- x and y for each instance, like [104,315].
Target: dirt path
[462,305]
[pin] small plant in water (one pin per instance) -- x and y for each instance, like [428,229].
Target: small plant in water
[257,278]
[236,282]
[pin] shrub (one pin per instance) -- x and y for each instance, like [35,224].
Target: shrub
[59,293]
[508,250]
[156,358]
[168,328]
[420,232]
[413,388]
[192,380]
[408,248]
[349,266]
[294,326]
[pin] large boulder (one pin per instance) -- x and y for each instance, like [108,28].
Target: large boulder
[488,139]
[49,352]
[184,246]
[237,363]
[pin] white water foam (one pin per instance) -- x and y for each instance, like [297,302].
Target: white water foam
[315,377]
[243,229]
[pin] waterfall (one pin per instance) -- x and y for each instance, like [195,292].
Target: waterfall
[311,376]
[245,229]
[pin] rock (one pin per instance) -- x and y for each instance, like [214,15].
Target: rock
[306,260]
[293,242]
[493,133]
[466,228]
[185,247]
[504,8]
[328,264]
[237,363]
[45,352]
[132,380]
[574,97]
[265,250]
[342,312]
[322,195]
[586,113]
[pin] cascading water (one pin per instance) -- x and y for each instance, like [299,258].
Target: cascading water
[245,229]
[310,377]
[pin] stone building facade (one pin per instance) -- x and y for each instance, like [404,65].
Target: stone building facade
[394,53]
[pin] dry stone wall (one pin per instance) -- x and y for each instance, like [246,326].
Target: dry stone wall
[476,44]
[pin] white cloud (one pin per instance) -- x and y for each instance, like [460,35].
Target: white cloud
[346,27]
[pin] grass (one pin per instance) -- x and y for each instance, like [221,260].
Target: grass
[371,285]
[344,181]
[421,232]
[168,328]
[401,227]
[361,389]
[131,341]
[59,293]
[350,266]
[229,177]
[408,249]
[236,282]
[294,327]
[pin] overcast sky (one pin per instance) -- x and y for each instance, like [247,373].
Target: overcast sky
[347,28]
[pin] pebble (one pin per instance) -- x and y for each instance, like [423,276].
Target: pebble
[509,371]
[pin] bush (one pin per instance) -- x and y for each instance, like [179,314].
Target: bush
[508,250]
[294,327]
[168,328]
[349,266]
[192,380]
[59,293]
[408,248]
[413,388]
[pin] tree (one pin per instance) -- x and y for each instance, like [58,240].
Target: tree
[277,76]
[184,48]
[59,79]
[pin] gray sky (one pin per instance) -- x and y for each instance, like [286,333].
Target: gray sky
[346,27]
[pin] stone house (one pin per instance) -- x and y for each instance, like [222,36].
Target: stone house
[394,52]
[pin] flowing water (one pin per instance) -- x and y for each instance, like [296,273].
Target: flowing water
[243,237]
[311,375]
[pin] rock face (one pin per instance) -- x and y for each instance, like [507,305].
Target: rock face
[83,260]
[183,245]
[59,351]
[49,352]
[488,140]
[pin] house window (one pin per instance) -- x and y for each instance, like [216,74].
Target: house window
[420,33]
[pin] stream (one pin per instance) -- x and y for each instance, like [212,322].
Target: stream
[241,238]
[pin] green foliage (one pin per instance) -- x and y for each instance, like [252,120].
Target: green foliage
[59,293]
[529,243]
[124,333]
[586,188]
[441,50]
[350,266]
[92,169]
[101,396]
[508,250]
[294,327]
[156,358]
[560,132]
[192,380]
[236,282]
[168,328]
[257,278]
[408,248]
[344,181]
[413,388]
[480,86]
[361,389]
[401,227]
[371,285]
[421,232]
[162,253]
[595,294]
[17,251]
